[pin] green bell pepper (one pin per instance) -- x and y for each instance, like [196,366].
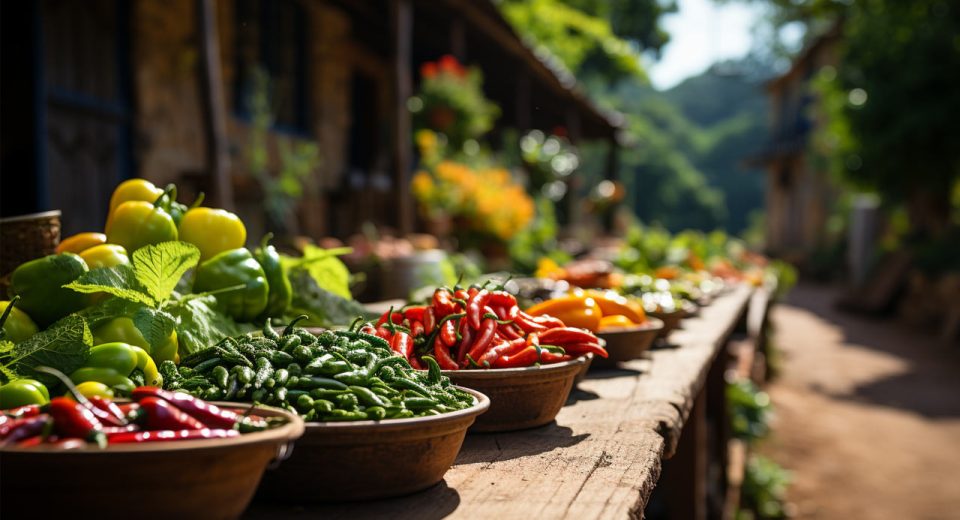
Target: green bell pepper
[117,356]
[17,326]
[107,376]
[281,292]
[39,283]
[124,331]
[235,268]
[136,223]
[23,392]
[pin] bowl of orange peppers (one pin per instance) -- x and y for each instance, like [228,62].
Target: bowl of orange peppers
[618,320]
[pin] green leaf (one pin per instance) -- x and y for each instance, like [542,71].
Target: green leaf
[109,309]
[120,281]
[160,266]
[155,325]
[199,325]
[328,271]
[6,373]
[64,346]
[324,308]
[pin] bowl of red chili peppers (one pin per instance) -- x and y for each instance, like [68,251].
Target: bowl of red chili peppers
[482,340]
[148,451]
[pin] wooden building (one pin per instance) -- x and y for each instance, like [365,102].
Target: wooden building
[800,194]
[102,90]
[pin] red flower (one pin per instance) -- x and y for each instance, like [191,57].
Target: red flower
[559,131]
[450,65]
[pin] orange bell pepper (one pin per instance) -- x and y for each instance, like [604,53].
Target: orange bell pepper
[572,310]
[80,242]
[616,321]
[612,304]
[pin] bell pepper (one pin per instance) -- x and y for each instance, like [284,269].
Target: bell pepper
[123,330]
[616,321]
[105,255]
[137,223]
[148,366]
[17,325]
[39,283]
[572,310]
[234,268]
[92,388]
[23,392]
[281,292]
[117,356]
[134,189]
[80,242]
[108,376]
[213,231]
[612,303]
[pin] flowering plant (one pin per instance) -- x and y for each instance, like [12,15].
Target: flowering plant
[451,102]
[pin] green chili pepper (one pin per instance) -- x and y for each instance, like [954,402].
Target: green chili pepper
[264,371]
[221,376]
[367,397]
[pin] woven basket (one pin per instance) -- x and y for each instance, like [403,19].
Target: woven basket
[24,238]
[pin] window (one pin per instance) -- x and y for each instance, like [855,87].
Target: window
[271,34]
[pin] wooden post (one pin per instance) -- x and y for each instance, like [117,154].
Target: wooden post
[682,490]
[611,173]
[215,125]
[522,107]
[458,39]
[401,23]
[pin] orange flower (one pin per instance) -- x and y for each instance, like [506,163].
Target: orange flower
[428,70]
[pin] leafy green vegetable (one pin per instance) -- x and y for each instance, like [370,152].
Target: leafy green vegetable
[324,267]
[6,373]
[64,346]
[119,281]
[155,325]
[155,273]
[199,325]
[323,307]
[159,267]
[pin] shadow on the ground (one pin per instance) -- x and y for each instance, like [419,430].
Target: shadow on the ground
[933,365]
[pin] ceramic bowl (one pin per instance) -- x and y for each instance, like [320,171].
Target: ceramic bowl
[584,369]
[213,478]
[628,343]
[520,398]
[671,321]
[364,460]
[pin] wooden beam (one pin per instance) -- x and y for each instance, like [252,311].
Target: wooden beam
[522,107]
[401,24]
[214,107]
[458,39]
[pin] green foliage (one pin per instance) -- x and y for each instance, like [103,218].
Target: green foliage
[328,271]
[750,410]
[199,324]
[763,492]
[323,308]
[64,346]
[451,101]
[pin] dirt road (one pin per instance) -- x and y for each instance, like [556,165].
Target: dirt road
[868,414]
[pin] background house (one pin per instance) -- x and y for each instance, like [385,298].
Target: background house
[103,90]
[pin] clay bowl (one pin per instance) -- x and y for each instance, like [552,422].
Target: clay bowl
[671,321]
[584,369]
[520,398]
[628,343]
[364,460]
[213,478]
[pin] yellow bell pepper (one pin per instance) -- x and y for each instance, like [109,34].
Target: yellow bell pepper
[612,304]
[92,388]
[105,255]
[134,189]
[80,242]
[616,321]
[213,231]
[572,310]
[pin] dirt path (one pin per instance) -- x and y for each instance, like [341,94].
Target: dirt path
[868,415]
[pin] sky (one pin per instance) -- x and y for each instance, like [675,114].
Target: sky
[701,33]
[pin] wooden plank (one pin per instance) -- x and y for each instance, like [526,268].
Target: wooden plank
[214,106]
[401,23]
[600,459]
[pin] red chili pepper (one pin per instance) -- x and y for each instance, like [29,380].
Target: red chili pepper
[30,410]
[562,336]
[72,419]
[442,303]
[110,430]
[505,348]
[502,299]
[384,333]
[546,320]
[172,435]
[526,357]
[414,313]
[210,415]
[472,291]
[128,408]
[448,334]
[512,312]
[22,428]
[475,305]
[466,341]
[108,406]
[484,339]
[416,329]
[526,322]
[157,414]
[460,294]
[429,320]
[415,363]
[402,344]
[579,349]
[500,311]
[369,329]
[395,317]
[510,331]
[442,353]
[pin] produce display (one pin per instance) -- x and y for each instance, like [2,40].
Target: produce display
[333,376]
[593,310]
[479,328]
[154,415]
